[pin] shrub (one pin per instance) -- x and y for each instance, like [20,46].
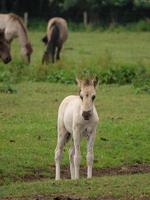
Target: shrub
[142,80]
[121,75]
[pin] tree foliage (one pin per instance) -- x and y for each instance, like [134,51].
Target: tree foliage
[105,10]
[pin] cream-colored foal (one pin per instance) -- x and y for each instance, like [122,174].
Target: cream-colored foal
[77,117]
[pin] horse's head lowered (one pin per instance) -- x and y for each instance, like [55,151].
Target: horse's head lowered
[4,48]
[87,95]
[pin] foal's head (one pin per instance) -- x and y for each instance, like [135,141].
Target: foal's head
[4,48]
[87,95]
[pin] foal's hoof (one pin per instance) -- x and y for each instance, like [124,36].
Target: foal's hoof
[57,179]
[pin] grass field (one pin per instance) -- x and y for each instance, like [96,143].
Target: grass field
[28,136]
[28,120]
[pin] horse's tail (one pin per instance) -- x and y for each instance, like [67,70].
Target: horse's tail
[55,33]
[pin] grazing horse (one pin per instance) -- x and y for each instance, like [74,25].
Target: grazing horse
[4,48]
[14,27]
[77,117]
[57,33]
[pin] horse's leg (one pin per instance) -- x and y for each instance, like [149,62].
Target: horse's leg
[90,154]
[71,158]
[58,52]
[76,138]
[62,136]
[53,53]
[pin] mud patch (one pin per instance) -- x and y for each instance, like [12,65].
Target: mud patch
[39,174]
[65,173]
[122,170]
[76,198]
[61,197]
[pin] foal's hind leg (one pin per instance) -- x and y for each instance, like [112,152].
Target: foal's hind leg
[62,138]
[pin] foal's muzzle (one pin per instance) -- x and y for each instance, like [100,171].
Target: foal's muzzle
[86,115]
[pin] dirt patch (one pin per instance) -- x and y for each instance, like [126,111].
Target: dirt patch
[122,170]
[39,174]
[72,198]
[61,197]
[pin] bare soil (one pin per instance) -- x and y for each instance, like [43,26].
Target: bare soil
[39,174]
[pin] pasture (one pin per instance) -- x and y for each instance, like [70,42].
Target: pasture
[96,52]
[28,122]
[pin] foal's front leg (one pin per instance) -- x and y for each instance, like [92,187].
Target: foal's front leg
[90,153]
[76,138]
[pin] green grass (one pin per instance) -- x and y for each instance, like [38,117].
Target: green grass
[28,130]
[28,115]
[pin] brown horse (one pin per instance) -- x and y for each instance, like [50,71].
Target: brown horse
[4,48]
[57,33]
[15,28]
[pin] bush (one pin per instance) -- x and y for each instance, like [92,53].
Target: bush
[121,75]
[142,25]
[142,80]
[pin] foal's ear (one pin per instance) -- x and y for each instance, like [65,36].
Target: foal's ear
[45,39]
[78,82]
[95,81]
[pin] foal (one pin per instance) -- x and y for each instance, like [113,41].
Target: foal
[77,117]
[57,33]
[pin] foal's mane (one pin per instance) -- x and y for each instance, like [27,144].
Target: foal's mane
[87,82]
[20,21]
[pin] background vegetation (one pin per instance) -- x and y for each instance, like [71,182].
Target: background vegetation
[114,45]
[104,12]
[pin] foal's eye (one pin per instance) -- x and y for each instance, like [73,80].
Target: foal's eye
[81,97]
[93,97]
